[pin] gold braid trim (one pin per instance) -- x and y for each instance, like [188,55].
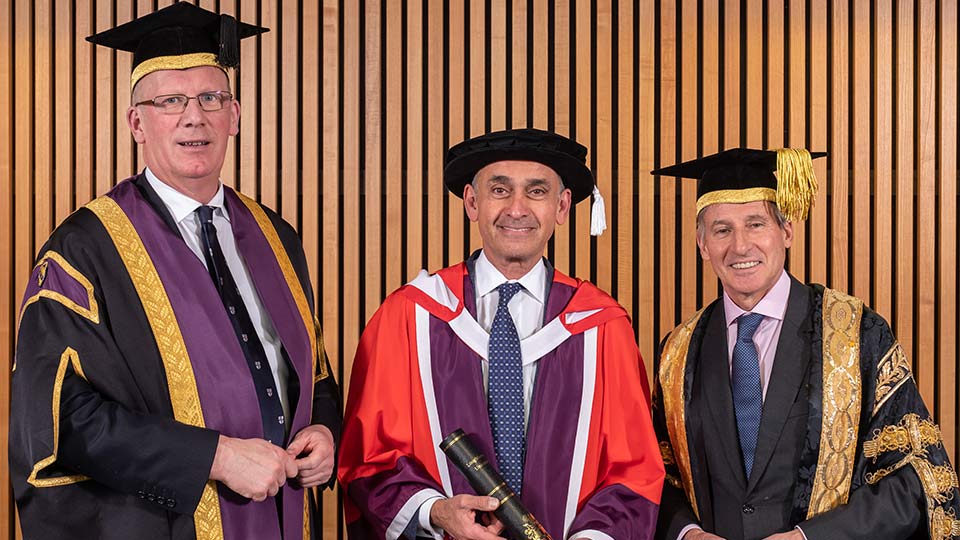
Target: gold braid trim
[666,453]
[293,283]
[68,358]
[181,382]
[306,514]
[736,196]
[892,371]
[673,363]
[841,402]
[178,61]
[910,436]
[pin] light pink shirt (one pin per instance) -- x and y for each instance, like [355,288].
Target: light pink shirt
[772,306]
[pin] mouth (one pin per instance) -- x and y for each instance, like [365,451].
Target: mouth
[744,265]
[193,144]
[514,229]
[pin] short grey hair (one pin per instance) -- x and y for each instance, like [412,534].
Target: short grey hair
[772,208]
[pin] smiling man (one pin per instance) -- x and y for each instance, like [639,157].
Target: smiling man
[788,411]
[541,370]
[170,380]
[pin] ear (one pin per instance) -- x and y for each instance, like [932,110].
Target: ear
[563,209]
[470,203]
[135,122]
[704,254]
[787,234]
[234,117]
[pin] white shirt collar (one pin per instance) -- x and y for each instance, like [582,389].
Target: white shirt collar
[179,205]
[486,278]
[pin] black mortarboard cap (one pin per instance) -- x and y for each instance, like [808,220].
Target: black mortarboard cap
[743,175]
[179,36]
[565,156]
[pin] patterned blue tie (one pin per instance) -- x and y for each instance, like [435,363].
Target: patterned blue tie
[747,392]
[505,391]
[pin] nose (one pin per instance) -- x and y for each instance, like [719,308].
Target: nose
[193,115]
[741,242]
[518,206]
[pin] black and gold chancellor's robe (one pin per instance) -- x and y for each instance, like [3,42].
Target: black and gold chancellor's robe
[127,370]
[846,449]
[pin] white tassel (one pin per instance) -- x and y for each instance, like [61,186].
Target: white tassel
[598,214]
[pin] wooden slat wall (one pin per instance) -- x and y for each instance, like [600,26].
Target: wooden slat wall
[348,106]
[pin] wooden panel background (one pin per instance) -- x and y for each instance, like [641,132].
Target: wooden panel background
[349,104]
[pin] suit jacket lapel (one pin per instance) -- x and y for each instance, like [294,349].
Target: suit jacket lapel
[715,382]
[789,366]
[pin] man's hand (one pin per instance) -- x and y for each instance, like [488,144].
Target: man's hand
[312,448]
[254,468]
[458,517]
[789,535]
[700,534]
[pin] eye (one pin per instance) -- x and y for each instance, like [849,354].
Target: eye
[499,190]
[208,98]
[169,101]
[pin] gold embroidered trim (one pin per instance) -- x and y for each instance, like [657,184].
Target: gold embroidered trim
[910,436]
[91,313]
[938,480]
[892,371]
[293,283]
[178,61]
[181,382]
[736,196]
[673,363]
[841,401]
[943,524]
[68,358]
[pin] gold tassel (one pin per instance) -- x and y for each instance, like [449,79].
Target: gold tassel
[796,183]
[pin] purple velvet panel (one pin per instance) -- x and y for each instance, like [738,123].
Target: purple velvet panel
[551,433]
[227,394]
[619,512]
[458,386]
[266,275]
[381,496]
[57,280]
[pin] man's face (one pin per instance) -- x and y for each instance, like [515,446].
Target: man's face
[517,205]
[746,247]
[184,150]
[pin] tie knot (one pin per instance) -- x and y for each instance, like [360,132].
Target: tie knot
[205,213]
[747,324]
[507,291]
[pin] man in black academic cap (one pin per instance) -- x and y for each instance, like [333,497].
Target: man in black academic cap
[539,369]
[788,411]
[170,379]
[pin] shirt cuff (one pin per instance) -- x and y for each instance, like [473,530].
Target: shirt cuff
[688,528]
[426,527]
[803,534]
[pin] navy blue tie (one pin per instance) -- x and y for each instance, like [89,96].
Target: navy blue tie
[505,391]
[271,412]
[747,391]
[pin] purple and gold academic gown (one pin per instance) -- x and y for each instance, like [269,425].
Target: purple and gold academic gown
[128,369]
[592,466]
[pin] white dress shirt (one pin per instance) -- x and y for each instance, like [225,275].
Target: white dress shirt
[183,209]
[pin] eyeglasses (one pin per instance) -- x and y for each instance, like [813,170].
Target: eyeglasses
[177,103]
